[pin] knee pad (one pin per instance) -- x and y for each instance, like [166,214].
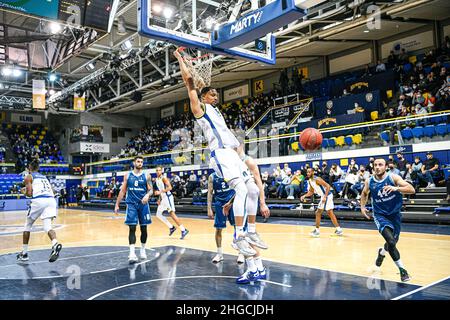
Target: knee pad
[47,225]
[28,224]
[252,197]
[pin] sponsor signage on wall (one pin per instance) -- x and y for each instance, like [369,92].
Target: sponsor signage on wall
[411,43]
[25,118]
[94,147]
[313,156]
[403,149]
[168,112]
[259,86]
[235,93]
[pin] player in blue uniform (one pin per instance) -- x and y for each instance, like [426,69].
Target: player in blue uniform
[386,191]
[138,189]
[220,194]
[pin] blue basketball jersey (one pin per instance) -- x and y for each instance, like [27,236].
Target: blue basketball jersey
[136,188]
[385,203]
[222,191]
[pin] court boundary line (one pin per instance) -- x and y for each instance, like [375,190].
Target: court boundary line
[420,289]
[172,278]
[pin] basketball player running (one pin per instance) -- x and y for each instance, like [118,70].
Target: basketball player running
[220,194]
[43,205]
[318,186]
[166,203]
[138,189]
[224,159]
[386,191]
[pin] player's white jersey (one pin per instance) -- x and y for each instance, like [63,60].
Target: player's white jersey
[318,189]
[41,186]
[160,184]
[215,129]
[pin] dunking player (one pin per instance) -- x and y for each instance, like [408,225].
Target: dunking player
[138,189]
[386,191]
[318,186]
[224,159]
[42,205]
[166,203]
[220,193]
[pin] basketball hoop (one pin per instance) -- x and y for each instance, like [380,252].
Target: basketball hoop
[200,67]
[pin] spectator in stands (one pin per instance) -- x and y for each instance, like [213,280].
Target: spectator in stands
[14,189]
[417,165]
[345,93]
[367,72]
[362,175]
[265,182]
[335,173]
[409,175]
[392,166]
[369,166]
[392,58]
[381,67]
[352,166]
[350,179]
[401,163]
[286,168]
[430,170]
[284,82]
[296,185]
[192,183]
[403,57]
[358,108]
[63,197]
[285,181]
[175,181]
[204,184]
[447,184]
[325,172]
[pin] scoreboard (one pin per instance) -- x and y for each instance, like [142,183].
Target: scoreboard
[42,8]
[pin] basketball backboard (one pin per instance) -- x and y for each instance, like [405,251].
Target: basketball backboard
[237,28]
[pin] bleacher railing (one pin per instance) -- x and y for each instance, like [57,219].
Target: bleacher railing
[351,136]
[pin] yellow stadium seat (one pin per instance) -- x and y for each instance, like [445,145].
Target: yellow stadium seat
[389,94]
[340,141]
[41,137]
[413,59]
[357,138]
[39,142]
[294,146]
[203,157]
[245,101]
[9,126]
[43,132]
[45,128]
[22,136]
[374,115]
[34,132]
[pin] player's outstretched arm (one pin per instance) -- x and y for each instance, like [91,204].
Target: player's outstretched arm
[209,196]
[121,195]
[364,198]
[196,107]
[401,186]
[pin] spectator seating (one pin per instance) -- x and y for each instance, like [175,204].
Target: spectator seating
[7,181]
[418,132]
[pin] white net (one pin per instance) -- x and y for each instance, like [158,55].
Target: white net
[200,66]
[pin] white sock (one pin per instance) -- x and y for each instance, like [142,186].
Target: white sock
[338,228]
[251,227]
[54,241]
[239,232]
[251,264]
[399,263]
[182,228]
[143,246]
[132,253]
[259,264]
[317,229]
[383,252]
[219,250]
[25,248]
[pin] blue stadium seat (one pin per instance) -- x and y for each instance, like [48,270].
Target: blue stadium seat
[348,140]
[441,129]
[325,143]
[427,70]
[407,68]
[418,132]
[385,136]
[331,143]
[407,133]
[429,131]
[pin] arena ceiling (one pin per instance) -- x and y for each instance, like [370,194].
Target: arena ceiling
[331,27]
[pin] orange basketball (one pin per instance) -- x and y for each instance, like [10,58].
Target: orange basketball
[310,139]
